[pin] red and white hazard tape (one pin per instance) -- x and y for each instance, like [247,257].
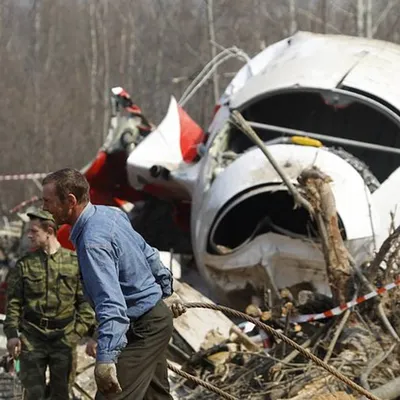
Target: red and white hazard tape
[24,204]
[22,177]
[343,307]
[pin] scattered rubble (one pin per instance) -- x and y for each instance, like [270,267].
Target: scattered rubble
[359,349]
[359,343]
[85,385]
[241,360]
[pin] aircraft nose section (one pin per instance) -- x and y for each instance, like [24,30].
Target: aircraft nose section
[259,210]
[247,198]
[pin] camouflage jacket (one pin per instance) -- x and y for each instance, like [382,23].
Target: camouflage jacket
[50,287]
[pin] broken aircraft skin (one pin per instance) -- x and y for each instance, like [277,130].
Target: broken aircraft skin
[341,92]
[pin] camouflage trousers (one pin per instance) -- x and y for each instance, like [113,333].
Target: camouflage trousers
[38,354]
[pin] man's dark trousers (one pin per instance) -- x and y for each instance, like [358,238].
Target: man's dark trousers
[142,364]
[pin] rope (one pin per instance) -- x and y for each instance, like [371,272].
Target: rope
[199,381]
[306,353]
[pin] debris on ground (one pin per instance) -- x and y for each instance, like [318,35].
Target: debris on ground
[360,340]
[193,327]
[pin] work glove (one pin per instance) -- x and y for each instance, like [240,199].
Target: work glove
[174,302]
[105,375]
[177,309]
[14,347]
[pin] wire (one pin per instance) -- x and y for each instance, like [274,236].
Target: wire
[306,353]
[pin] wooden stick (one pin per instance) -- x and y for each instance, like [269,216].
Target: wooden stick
[316,185]
[336,336]
[243,125]
[245,339]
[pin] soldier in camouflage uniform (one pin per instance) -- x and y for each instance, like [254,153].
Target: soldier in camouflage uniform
[46,311]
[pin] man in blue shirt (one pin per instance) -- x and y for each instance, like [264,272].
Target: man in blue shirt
[125,281]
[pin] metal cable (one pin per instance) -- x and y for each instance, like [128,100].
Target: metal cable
[306,353]
[199,381]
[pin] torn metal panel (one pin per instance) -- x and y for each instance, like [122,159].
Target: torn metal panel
[377,75]
[232,256]
[320,61]
[172,143]
[285,260]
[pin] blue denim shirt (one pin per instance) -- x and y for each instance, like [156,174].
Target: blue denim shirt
[123,276]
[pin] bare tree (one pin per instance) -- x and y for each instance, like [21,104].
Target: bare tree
[360,17]
[211,31]
[60,58]
[293,18]
[132,40]
[123,44]
[102,20]
[94,64]
[2,6]
[325,15]
[383,16]
[368,19]
[37,73]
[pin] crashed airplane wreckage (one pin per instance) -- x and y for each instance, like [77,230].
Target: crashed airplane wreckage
[327,101]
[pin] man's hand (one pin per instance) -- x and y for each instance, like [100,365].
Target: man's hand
[91,348]
[14,347]
[105,375]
